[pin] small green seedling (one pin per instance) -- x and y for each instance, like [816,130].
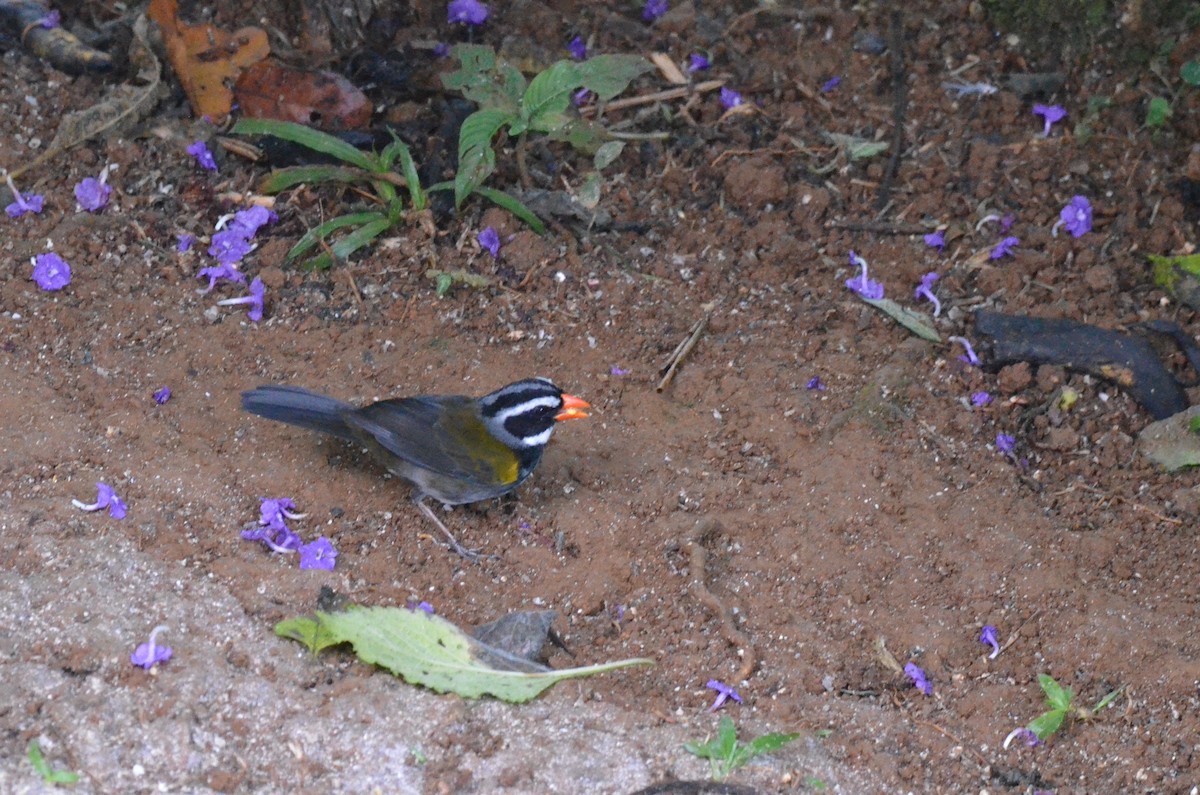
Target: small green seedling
[361,168]
[543,105]
[1157,112]
[1190,73]
[725,754]
[49,775]
[1061,707]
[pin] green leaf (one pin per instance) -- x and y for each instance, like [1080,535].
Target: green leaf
[503,200]
[307,137]
[1047,723]
[583,135]
[857,148]
[476,160]
[1190,73]
[408,168]
[609,75]
[1157,112]
[1057,696]
[283,178]
[484,79]
[43,769]
[444,282]
[549,96]
[308,631]
[428,650]
[607,153]
[913,321]
[770,742]
[349,244]
[322,231]
[1110,698]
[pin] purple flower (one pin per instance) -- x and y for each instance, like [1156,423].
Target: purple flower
[1005,443]
[1076,217]
[441,50]
[255,299]
[92,194]
[697,62]
[105,498]
[162,395]
[980,399]
[654,9]
[1051,114]
[469,12]
[272,513]
[277,539]
[218,272]
[489,239]
[581,97]
[815,383]
[423,606]
[936,239]
[29,203]
[919,680]
[247,222]
[50,271]
[186,242]
[319,554]
[1005,247]
[204,158]
[925,290]
[618,371]
[577,48]
[989,638]
[1007,221]
[150,654]
[831,84]
[230,246]
[51,20]
[1025,735]
[969,357]
[724,693]
[730,98]
[865,287]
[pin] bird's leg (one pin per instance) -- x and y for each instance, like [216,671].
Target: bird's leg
[469,554]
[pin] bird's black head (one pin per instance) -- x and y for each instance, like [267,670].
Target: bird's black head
[523,414]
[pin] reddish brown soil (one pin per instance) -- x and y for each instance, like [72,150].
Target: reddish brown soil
[877,510]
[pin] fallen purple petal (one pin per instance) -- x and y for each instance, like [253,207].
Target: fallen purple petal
[254,299]
[149,654]
[185,243]
[919,678]
[618,371]
[1051,114]
[106,497]
[989,637]
[815,383]
[218,272]
[577,48]
[29,203]
[92,194]
[1077,216]
[698,62]
[468,12]
[980,399]
[831,84]
[1004,247]
[204,157]
[724,693]
[318,554]
[936,239]
[162,395]
[52,20]
[489,239]
[925,290]
[730,98]
[969,357]
[1028,736]
[1005,443]
[654,9]
[864,286]
[51,272]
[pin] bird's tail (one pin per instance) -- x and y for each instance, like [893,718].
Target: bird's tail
[297,406]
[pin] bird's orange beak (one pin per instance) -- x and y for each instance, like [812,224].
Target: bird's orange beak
[572,408]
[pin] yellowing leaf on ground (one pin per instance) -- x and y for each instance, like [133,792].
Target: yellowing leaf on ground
[207,60]
[428,650]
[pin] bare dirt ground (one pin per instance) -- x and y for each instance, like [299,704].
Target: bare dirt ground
[876,508]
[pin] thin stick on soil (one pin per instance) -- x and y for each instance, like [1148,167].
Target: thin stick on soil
[681,352]
[658,96]
[733,636]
